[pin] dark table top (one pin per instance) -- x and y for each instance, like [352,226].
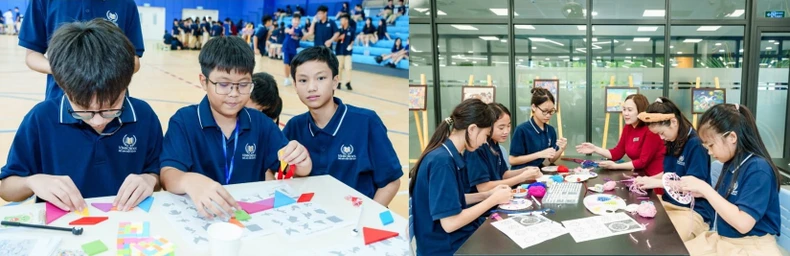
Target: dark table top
[664,239]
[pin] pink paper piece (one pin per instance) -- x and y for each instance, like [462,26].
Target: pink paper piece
[105,207]
[267,203]
[53,213]
[251,208]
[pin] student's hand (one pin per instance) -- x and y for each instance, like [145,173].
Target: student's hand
[548,153]
[530,173]
[606,164]
[58,190]
[585,148]
[135,189]
[501,194]
[257,52]
[562,143]
[645,182]
[207,194]
[295,153]
[697,187]
[328,43]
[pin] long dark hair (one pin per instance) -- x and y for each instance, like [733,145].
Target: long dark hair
[740,120]
[469,112]
[666,106]
[499,110]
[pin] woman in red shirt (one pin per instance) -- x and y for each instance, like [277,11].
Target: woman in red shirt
[644,148]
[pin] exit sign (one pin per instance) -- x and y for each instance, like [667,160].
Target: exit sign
[775,14]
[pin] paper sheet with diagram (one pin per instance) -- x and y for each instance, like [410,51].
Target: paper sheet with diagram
[529,230]
[597,227]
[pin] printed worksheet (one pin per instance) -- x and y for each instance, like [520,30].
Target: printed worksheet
[597,227]
[527,231]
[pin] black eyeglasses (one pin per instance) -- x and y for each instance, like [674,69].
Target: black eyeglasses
[87,115]
[225,88]
[547,112]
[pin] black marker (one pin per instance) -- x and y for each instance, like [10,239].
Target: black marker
[75,230]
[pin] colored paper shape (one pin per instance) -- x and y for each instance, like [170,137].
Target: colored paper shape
[83,213]
[53,213]
[242,215]
[386,218]
[236,222]
[88,221]
[306,197]
[373,235]
[281,199]
[94,247]
[146,204]
[154,246]
[267,203]
[251,208]
[105,207]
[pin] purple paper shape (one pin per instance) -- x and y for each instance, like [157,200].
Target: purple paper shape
[251,208]
[267,203]
[105,207]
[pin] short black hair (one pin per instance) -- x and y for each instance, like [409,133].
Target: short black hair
[266,94]
[91,59]
[266,18]
[345,16]
[296,15]
[226,54]
[323,8]
[315,53]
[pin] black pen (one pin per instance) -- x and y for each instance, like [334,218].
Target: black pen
[74,230]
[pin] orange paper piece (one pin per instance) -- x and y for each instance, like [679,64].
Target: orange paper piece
[236,222]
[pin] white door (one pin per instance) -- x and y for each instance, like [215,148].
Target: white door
[199,13]
[152,21]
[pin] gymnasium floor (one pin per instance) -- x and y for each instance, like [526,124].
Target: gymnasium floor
[168,80]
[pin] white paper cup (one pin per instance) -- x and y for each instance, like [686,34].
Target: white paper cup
[225,239]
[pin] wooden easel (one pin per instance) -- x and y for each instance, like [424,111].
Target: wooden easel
[697,85]
[620,119]
[422,129]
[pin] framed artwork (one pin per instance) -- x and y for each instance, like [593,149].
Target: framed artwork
[553,85]
[615,97]
[703,99]
[485,93]
[418,97]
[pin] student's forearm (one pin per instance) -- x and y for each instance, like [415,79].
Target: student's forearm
[455,222]
[512,173]
[740,220]
[557,155]
[254,44]
[36,61]
[476,197]
[603,152]
[304,171]
[15,189]
[153,179]
[623,166]
[173,180]
[385,195]
[517,160]
[269,175]
[510,182]
[136,64]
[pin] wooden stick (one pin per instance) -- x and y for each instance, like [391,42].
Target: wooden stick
[471,80]
[694,116]
[419,129]
[606,120]
[425,135]
[490,82]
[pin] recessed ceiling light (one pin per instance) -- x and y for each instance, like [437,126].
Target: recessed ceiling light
[736,13]
[421,9]
[680,52]
[741,50]
[548,58]
[671,46]
[653,13]
[722,50]
[641,39]
[646,29]
[534,48]
[692,40]
[503,40]
[717,44]
[582,27]
[776,42]
[464,27]
[524,27]
[771,41]
[470,51]
[628,49]
[708,28]
[501,11]
[440,12]
[489,38]
[769,48]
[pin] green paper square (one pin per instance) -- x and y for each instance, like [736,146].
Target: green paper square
[241,215]
[94,247]
[124,252]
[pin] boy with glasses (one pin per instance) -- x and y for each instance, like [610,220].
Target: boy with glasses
[93,141]
[220,142]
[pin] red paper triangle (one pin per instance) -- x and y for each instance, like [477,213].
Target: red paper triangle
[53,213]
[306,197]
[373,235]
[88,221]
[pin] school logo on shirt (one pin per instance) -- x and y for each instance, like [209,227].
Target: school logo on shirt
[128,144]
[636,139]
[250,149]
[735,189]
[681,161]
[347,153]
[112,17]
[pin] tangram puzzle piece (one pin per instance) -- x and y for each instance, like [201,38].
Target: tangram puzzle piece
[146,204]
[53,213]
[373,235]
[94,247]
[251,208]
[130,233]
[236,222]
[386,217]
[306,197]
[267,203]
[242,215]
[105,207]
[281,199]
[88,221]
[356,201]
[154,247]
[84,212]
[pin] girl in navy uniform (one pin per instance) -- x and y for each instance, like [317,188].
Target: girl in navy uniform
[745,198]
[443,221]
[685,156]
[535,141]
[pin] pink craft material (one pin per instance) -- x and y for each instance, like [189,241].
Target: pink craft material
[646,209]
[643,198]
[672,187]
[609,185]
[648,243]
[537,191]
[496,216]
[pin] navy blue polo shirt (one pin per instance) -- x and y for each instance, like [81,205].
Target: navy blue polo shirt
[528,138]
[341,48]
[353,147]
[693,161]
[216,30]
[485,164]
[755,193]
[175,29]
[193,143]
[381,31]
[187,29]
[227,29]
[261,35]
[281,36]
[204,26]
[51,141]
[439,193]
[324,31]
[43,17]
[291,41]
[195,29]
